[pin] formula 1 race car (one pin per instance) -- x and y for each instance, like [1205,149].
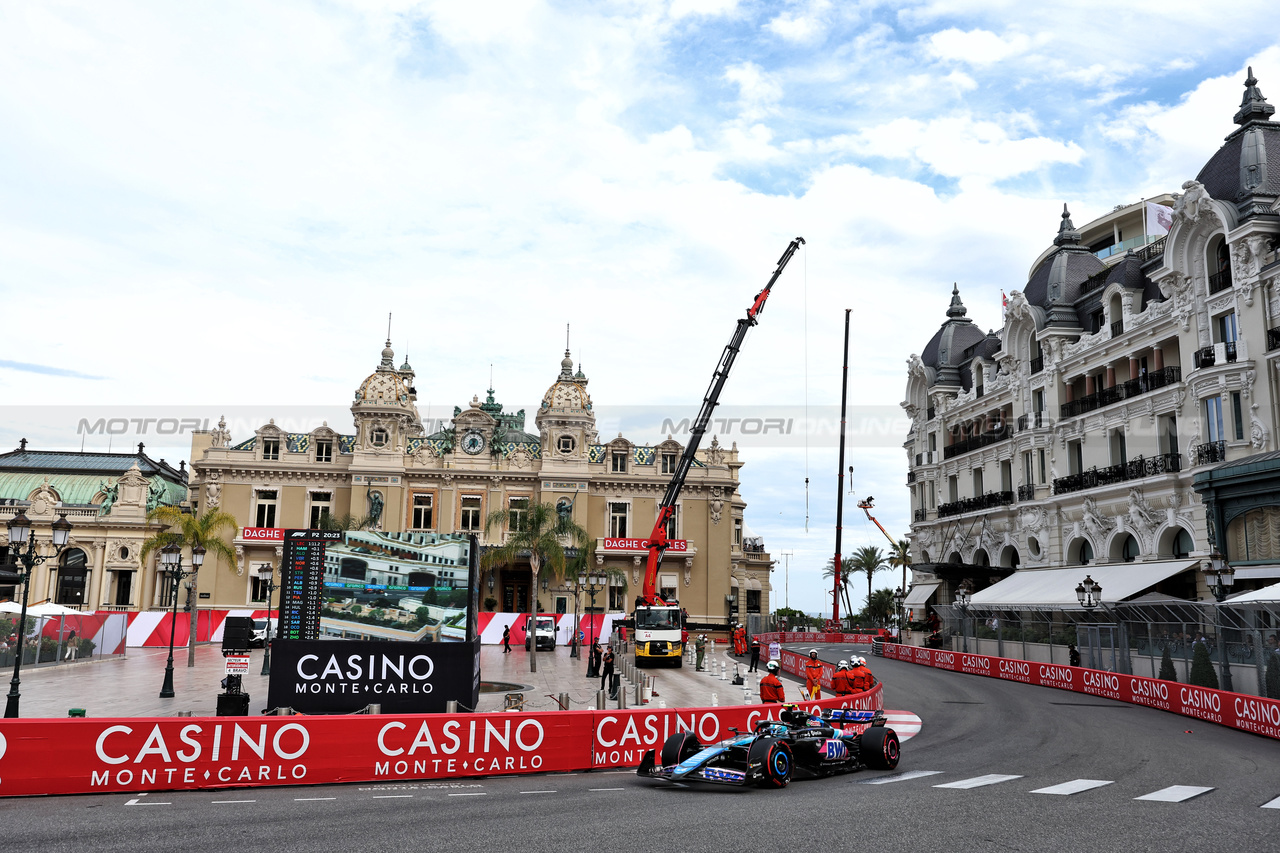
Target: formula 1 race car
[838,741]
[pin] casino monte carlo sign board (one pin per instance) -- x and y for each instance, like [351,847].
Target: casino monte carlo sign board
[343,676]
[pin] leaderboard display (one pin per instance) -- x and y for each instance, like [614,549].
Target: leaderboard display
[302,582]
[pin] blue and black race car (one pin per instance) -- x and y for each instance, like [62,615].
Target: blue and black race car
[837,741]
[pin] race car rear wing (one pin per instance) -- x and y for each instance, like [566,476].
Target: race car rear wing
[848,716]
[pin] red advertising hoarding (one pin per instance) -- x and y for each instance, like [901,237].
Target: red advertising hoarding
[1237,710]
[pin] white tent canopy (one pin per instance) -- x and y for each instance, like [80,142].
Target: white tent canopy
[1058,586]
[1267,593]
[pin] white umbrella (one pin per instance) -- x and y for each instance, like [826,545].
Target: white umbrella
[51,609]
[10,607]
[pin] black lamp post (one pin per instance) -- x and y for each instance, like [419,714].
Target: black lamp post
[963,595]
[1221,578]
[24,550]
[1089,593]
[171,566]
[592,584]
[898,598]
[269,572]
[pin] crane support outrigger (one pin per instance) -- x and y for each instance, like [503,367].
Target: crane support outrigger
[658,624]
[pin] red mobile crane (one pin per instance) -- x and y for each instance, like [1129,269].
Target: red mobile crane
[866,506]
[658,624]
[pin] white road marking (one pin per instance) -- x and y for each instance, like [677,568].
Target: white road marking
[471,794]
[393,796]
[536,792]
[1174,794]
[1075,786]
[312,799]
[137,801]
[901,777]
[221,802]
[606,789]
[1274,804]
[978,781]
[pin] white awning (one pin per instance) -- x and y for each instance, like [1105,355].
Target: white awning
[667,581]
[733,582]
[1267,593]
[1257,573]
[920,594]
[1058,586]
[753,583]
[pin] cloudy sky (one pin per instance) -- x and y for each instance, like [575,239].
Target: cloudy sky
[215,206]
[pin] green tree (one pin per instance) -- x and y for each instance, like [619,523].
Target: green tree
[900,558]
[430,596]
[880,606]
[422,613]
[355,610]
[1202,674]
[1167,672]
[796,619]
[211,530]
[868,560]
[540,537]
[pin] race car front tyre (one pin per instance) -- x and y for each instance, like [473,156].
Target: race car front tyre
[879,748]
[678,747]
[775,759]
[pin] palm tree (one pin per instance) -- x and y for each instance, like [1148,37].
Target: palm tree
[540,535]
[880,606]
[846,569]
[346,521]
[900,558]
[187,531]
[868,559]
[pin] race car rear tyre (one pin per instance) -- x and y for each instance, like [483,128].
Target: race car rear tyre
[776,762]
[679,747]
[879,748]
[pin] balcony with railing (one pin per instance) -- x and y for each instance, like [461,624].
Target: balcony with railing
[1037,364]
[921,514]
[1143,243]
[911,477]
[1026,493]
[1123,391]
[929,457]
[1209,452]
[1220,281]
[1225,352]
[1134,469]
[930,413]
[990,500]
[1117,328]
[982,439]
[1273,339]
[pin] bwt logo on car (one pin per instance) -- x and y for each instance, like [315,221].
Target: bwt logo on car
[492,752]
[628,746]
[333,678]
[1201,703]
[1101,684]
[1258,715]
[119,745]
[1015,670]
[1056,675]
[979,663]
[1146,692]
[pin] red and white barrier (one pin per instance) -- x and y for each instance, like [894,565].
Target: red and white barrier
[158,754]
[1237,710]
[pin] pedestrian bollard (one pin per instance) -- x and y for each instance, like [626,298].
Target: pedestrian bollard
[724,671]
[375,708]
[746,696]
[622,700]
[284,712]
[450,706]
[639,694]
[602,699]
[646,694]
[563,701]
[715,700]
[662,703]
[81,714]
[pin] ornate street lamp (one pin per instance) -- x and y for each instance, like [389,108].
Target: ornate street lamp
[267,571]
[1221,577]
[898,598]
[591,585]
[171,567]
[24,551]
[1089,593]
[963,595]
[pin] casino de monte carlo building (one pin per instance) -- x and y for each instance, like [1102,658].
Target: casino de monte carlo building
[420,484]
[1122,422]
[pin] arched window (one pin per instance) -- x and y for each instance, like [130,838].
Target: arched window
[1080,552]
[1182,544]
[73,577]
[1086,553]
[1129,549]
[980,558]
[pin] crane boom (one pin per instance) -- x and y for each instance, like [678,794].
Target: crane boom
[866,506]
[658,538]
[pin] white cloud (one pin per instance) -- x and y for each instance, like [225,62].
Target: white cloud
[702,8]
[804,26]
[976,47]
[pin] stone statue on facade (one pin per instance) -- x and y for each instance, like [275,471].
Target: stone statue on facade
[156,493]
[375,506]
[110,494]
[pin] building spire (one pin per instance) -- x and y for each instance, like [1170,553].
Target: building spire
[1067,233]
[1253,106]
[956,308]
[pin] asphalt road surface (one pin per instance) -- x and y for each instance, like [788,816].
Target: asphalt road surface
[997,766]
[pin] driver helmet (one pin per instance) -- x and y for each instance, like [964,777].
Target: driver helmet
[813,653]
[844,664]
[793,714]
[859,662]
[772,666]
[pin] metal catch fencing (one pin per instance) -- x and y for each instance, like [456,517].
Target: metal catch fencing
[57,640]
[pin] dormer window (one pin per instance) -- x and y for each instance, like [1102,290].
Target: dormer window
[619,462]
[271,449]
[324,450]
[379,437]
[669,462]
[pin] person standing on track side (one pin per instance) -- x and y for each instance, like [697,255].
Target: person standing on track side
[506,639]
[840,679]
[861,679]
[606,670]
[701,647]
[771,686]
[813,676]
[755,654]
